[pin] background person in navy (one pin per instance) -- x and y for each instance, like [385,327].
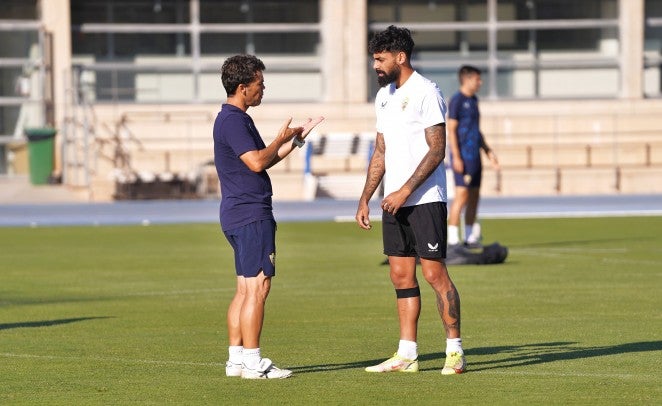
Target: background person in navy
[466,141]
[246,214]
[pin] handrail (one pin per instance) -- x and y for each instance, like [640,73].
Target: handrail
[20,25]
[180,67]
[233,28]
[568,24]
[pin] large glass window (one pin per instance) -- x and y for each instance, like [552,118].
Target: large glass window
[129,11]
[259,11]
[291,43]
[20,72]
[526,48]
[19,9]
[130,45]
[133,50]
[653,49]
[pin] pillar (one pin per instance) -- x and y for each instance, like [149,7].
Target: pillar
[631,39]
[56,18]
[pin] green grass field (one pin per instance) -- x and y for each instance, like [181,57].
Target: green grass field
[136,315]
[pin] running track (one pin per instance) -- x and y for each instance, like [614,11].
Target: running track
[206,211]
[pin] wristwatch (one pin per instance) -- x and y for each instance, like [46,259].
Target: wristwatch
[299,143]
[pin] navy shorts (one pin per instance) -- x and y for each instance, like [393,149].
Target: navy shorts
[254,248]
[472,176]
[416,231]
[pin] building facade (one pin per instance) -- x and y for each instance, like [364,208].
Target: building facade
[126,55]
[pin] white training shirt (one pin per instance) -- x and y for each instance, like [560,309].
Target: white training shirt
[403,114]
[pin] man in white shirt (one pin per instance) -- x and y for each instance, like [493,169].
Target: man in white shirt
[408,156]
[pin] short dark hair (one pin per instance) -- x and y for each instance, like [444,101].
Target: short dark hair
[239,70]
[393,39]
[467,70]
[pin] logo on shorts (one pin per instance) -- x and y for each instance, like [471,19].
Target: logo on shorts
[467,178]
[272,258]
[433,248]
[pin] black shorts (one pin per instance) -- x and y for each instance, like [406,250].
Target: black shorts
[416,231]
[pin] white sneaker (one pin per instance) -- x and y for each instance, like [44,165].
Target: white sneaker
[395,364]
[265,370]
[232,369]
[455,364]
[474,241]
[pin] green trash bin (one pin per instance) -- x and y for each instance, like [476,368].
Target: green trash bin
[40,153]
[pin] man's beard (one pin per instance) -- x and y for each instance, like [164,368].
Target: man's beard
[392,76]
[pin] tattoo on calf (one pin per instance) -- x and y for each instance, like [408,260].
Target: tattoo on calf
[453,299]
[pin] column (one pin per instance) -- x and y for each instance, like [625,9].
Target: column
[333,45]
[631,39]
[356,51]
[344,53]
[56,18]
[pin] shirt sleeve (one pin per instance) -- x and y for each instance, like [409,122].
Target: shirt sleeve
[433,108]
[453,107]
[378,101]
[238,136]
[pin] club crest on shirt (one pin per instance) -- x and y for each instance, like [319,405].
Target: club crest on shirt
[405,101]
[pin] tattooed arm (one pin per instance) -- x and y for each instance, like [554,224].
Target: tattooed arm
[376,170]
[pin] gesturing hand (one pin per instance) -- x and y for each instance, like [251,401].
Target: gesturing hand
[286,133]
[309,125]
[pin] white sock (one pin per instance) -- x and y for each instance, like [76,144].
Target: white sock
[408,349]
[236,353]
[453,235]
[454,345]
[468,228]
[474,234]
[251,357]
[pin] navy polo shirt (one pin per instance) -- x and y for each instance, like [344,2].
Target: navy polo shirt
[245,195]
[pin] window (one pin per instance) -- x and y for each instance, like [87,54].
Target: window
[653,49]
[165,50]
[534,49]
[20,62]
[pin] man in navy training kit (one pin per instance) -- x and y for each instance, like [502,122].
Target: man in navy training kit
[408,156]
[466,141]
[246,215]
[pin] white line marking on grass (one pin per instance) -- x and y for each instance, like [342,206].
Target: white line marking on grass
[219,364]
[576,253]
[575,250]
[541,214]
[563,374]
[573,214]
[350,219]
[116,360]
[630,261]
[178,292]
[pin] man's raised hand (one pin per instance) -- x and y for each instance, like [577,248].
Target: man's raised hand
[309,125]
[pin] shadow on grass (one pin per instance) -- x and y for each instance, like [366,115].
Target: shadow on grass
[575,243]
[47,323]
[510,356]
[532,354]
